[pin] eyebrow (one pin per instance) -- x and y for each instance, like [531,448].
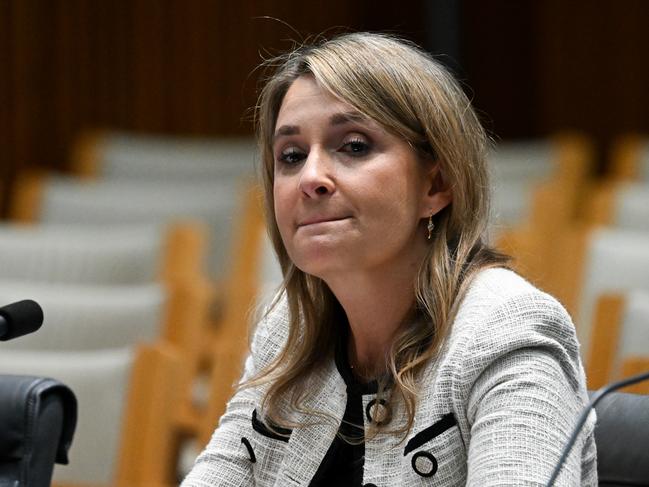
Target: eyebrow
[347,117]
[335,119]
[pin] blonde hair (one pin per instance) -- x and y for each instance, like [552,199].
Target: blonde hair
[396,84]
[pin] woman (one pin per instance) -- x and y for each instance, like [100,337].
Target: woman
[401,352]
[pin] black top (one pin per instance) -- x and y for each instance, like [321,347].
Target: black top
[342,466]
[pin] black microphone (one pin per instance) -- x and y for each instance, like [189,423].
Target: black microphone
[595,398]
[18,319]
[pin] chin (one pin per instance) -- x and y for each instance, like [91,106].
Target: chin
[319,264]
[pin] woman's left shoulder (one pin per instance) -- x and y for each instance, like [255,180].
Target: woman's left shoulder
[502,311]
[498,293]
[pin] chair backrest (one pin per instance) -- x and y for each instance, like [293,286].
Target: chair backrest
[90,317]
[38,417]
[69,254]
[109,254]
[620,333]
[621,435]
[254,278]
[69,201]
[598,261]
[84,318]
[536,189]
[620,204]
[132,156]
[126,403]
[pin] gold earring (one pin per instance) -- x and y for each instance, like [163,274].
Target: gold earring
[430,226]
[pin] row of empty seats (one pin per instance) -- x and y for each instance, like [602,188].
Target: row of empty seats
[584,239]
[148,281]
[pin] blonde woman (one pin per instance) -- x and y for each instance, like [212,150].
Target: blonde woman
[401,351]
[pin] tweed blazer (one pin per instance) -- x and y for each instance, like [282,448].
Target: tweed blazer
[494,408]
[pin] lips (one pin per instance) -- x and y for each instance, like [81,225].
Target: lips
[320,219]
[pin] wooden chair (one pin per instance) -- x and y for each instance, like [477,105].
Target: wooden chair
[620,341]
[82,318]
[618,204]
[254,278]
[183,245]
[51,199]
[87,317]
[538,189]
[594,261]
[126,398]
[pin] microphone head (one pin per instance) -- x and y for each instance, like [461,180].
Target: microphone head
[21,318]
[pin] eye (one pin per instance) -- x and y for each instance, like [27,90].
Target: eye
[291,156]
[356,147]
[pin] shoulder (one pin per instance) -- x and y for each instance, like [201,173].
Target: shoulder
[502,313]
[499,296]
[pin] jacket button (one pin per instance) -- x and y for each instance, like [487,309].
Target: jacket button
[378,412]
[424,463]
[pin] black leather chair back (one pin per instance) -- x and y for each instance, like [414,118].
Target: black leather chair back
[622,437]
[37,421]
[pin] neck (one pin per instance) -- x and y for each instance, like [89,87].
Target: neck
[376,307]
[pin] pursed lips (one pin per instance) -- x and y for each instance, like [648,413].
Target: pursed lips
[316,220]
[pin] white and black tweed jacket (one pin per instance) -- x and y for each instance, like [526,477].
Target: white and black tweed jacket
[495,408]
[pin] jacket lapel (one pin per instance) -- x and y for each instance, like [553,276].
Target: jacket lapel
[309,443]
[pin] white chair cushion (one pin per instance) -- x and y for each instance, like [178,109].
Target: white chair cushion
[89,317]
[615,261]
[115,254]
[124,156]
[632,207]
[67,201]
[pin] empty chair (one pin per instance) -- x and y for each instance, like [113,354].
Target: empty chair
[598,261]
[536,189]
[125,422]
[136,156]
[253,283]
[519,167]
[620,337]
[90,317]
[60,200]
[112,254]
[83,318]
[66,254]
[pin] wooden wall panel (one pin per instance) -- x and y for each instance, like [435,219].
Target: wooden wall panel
[167,66]
[592,64]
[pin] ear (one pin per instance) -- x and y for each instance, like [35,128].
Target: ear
[438,194]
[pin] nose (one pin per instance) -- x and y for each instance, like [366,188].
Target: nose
[316,178]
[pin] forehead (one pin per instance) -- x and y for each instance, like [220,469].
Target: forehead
[305,93]
[307,102]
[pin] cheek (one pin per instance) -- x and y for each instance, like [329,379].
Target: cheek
[393,202]
[283,207]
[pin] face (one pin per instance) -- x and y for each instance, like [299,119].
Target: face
[349,196]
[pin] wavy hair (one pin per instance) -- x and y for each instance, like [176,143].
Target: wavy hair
[410,94]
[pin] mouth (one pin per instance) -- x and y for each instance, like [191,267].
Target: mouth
[318,220]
